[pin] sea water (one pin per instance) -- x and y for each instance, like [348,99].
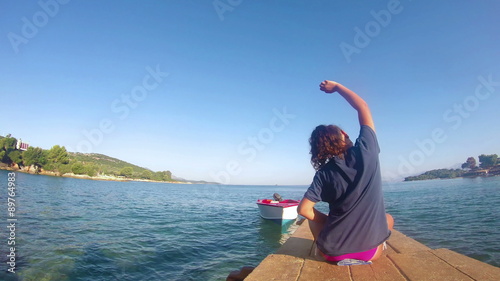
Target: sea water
[73,229]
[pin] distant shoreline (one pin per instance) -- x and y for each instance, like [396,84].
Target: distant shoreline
[456,173]
[87,177]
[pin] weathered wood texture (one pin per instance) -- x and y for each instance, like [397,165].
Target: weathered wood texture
[405,259]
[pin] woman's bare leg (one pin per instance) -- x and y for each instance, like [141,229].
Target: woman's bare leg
[390,221]
[316,228]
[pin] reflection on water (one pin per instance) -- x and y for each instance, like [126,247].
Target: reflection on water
[72,229]
[278,230]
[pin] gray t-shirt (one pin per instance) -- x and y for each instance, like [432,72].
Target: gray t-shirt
[353,189]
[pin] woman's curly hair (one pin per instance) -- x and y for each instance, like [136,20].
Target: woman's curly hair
[326,142]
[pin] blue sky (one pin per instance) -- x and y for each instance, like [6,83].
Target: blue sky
[227,91]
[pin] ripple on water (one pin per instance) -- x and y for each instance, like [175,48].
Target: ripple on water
[89,230]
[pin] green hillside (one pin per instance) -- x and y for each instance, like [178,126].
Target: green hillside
[106,165]
[58,161]
[61,162]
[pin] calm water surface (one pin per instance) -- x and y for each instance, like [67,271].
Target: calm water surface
[458,214]
[71,229]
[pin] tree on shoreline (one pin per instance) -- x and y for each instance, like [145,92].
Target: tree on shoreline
[469,164]
[16,157]
[7,147]
[147,175]
[162,176]
[77,168]
[57,159]
[58,155]
[8,143]
[127,172]
[34,156]
[488,161]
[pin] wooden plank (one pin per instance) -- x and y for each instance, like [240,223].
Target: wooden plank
[300,244]
[424,265]
[404,244]
[477,270]
[381,269]
[405,259]
[389,250]
[278,268]
[323,271]
[303,231]
[296,247]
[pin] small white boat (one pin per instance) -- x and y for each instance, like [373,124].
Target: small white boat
[278,210]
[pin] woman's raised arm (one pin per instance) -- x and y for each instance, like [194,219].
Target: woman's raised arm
[364,114]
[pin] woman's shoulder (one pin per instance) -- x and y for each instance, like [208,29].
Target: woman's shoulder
[365,130]
[367,139]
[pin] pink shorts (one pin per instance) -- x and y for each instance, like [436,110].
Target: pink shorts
[364,256]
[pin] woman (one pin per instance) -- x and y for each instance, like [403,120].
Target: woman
[348,179]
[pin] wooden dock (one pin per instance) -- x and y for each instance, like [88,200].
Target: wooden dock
[405,259]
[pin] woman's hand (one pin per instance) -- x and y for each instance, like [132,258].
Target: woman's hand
[364,114]
[328,86]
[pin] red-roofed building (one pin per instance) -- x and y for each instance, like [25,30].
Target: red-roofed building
[22,145]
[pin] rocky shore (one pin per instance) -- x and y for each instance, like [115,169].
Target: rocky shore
[31,170]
